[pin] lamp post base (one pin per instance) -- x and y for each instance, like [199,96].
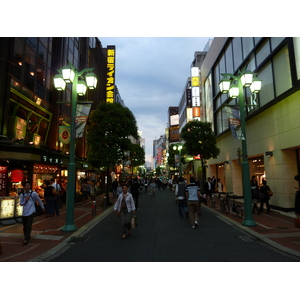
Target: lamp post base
[70,227]
[250,223]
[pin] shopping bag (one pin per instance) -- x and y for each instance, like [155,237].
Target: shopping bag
[133,222]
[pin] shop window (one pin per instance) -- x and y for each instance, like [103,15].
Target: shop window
[282,71]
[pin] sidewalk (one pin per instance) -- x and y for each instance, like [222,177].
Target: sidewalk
[47,238]
[275,228]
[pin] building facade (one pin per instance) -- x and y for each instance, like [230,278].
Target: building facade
[272,125]
[32,112]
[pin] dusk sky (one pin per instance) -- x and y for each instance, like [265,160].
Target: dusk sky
[151,73]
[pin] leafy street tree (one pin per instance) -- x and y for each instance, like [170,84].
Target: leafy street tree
[137,155]
[109,129]
[200,139]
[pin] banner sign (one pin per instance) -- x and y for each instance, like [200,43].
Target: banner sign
[82,113]
[65,134]
[188,95]
[110,74]
[233,113]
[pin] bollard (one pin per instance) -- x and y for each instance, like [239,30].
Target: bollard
[104,202]
[94,208]
[222,204]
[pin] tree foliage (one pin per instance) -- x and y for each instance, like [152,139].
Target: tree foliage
[137,155]
[200,139]
[110,126]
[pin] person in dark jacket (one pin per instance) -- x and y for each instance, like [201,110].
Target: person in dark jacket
[254,194]
[135,192]
[180,197]
[264,189]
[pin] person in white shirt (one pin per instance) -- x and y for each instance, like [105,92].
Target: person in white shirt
[27,200]
[125,208]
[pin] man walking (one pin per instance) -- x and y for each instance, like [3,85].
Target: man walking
[193,196]
[57,203]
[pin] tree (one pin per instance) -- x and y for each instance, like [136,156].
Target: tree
[200,139]
[137,155]
[108,132]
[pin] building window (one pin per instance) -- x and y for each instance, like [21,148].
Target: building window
[229,60]
[275,41]
[263,52]
[237,52]
[267,90]
[282,71]
[296,41]
[247,45]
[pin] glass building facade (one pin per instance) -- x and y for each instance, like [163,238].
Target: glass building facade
[271,115]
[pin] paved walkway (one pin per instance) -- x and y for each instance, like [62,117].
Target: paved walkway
[276,229]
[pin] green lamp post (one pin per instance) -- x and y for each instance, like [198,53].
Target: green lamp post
[78,87]
[244,79]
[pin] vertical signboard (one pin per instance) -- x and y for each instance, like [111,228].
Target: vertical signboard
[188,94]
[110,74]
[195,83]
[3,180]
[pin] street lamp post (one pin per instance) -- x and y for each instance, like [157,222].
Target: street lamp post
[78,87]
[179,147]
[244,79]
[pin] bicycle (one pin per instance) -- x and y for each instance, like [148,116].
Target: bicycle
[230,204]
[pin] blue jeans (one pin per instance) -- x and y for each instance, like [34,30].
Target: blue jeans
[182,207]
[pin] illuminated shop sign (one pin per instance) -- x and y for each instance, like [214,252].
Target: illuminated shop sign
[189,114]
[110,74]
[188,95]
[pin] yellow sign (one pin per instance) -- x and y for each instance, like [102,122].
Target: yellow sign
[110,83]
[195,81]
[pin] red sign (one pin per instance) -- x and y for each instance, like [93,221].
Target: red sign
[81,119]
[235,122]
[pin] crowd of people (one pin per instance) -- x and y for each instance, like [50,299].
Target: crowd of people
[188,197]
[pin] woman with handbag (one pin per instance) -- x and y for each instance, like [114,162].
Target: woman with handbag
[125,209]
[265,196]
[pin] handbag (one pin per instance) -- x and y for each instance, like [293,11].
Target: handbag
[270,193]
[297,222]
[133,222]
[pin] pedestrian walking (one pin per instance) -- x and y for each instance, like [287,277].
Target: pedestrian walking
[213,184]
[254,194]
[85,189]
[193,196]
[114,186]
[180,190]
[208,190]
[135,191]
[93,191]
[125,209]
[152,188]
[265,192]
[146,182]
[49,194]
[27,200]
[220,187]
[57,200]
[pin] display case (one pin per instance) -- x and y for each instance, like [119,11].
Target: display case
[18,208]
[7,207]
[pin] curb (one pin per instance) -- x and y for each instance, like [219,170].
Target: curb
[63,246]
[257,235]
